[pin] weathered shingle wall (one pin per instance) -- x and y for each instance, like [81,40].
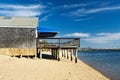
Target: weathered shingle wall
[17,37]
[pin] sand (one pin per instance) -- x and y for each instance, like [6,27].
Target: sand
[13,68]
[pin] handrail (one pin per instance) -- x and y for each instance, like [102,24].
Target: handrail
[42,42]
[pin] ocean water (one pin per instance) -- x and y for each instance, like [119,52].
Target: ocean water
[107,62]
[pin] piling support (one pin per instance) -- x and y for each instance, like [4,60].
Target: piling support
[21,56]
[58,54]
[52,52]
[36,53]
[14,55]
[71,54]
[67,54]
[40,53]
[64,53]
[76,51]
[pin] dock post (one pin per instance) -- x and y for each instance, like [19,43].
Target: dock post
[14,55]
[21,56]
[58,54]
[67,54]
[36,55]
[52,52]
[76,51]
[64,53]
[71,54]
[40,53]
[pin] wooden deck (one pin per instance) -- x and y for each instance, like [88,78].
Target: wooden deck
[59,46]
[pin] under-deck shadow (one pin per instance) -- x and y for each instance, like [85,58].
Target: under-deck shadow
[47,56]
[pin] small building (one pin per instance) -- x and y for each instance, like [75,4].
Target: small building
[18,35]
[21,36]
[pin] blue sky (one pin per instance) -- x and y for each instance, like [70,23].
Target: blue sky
[96,22]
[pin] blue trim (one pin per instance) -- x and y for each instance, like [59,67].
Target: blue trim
[41,29]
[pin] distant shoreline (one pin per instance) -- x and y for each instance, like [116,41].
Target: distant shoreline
[91,50]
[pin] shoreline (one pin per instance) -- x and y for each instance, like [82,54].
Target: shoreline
[95,69]
[13,68]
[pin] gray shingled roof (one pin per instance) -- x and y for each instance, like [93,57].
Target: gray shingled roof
[22,22]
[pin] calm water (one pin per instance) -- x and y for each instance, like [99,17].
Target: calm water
[107,62]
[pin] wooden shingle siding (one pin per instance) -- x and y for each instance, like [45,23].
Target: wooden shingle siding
[17,41]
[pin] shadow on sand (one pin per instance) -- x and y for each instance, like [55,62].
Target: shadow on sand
[47,56]
[44,56]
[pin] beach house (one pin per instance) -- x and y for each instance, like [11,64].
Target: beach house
[18,35]
[21,36]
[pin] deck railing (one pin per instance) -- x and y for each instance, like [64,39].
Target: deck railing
[58,42]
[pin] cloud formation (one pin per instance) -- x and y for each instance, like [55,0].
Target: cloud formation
[82,19]
[66,6]
[84,12]
[104,34]
[45,18]
[21,10]
[77,35]
[104,38]
[74,5]
[81,11]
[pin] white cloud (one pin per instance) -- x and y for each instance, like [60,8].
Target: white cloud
[66,6]
[103,34]
[77,35]
[21,10]
[26,13]
[84,12]
[45,18]
[104,38]
[11,6]
[102,9]
[82,19]
[74,5]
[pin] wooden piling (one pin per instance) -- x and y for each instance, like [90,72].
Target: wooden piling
[40,52]
[71,54]
[76,51]
[67,54]
[52,52]
[21,56]
[64,53]
[58,54]
[14,55]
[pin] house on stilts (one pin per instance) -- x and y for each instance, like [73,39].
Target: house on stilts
[21,36]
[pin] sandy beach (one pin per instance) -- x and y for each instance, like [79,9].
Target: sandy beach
[13,68]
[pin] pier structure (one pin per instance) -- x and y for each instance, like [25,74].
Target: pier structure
[59,47]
